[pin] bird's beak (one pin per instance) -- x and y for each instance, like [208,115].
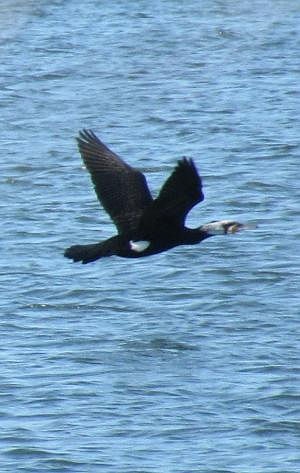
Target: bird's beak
[237,227]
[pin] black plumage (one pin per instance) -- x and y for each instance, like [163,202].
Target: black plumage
[146,226]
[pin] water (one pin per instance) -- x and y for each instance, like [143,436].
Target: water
[183,362]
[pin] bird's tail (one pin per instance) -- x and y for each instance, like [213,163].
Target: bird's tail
[88,253]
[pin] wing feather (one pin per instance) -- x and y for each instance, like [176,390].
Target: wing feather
[179,194]
[122,190]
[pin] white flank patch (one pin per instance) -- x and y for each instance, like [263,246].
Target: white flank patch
[139,246]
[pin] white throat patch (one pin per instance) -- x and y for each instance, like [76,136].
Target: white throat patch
[215,228]
[139,246]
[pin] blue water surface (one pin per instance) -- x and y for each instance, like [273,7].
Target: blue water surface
[182,362]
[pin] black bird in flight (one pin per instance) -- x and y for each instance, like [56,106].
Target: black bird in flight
[146,226]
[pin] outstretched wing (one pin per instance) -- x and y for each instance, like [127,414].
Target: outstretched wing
[121,189]
[181,191]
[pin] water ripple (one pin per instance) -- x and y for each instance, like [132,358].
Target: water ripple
[189,360]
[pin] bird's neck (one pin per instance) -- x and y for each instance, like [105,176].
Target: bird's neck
[195,235]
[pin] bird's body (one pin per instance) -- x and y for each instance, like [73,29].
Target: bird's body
[146,226]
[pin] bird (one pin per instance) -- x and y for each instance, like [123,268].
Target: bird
[145,225]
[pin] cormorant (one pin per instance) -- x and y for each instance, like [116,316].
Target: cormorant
[146,226]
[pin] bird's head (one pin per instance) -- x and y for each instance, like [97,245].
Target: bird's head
[222,227]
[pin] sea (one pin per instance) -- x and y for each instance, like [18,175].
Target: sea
[183,362]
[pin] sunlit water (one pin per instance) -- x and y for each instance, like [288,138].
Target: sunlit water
[182,362]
